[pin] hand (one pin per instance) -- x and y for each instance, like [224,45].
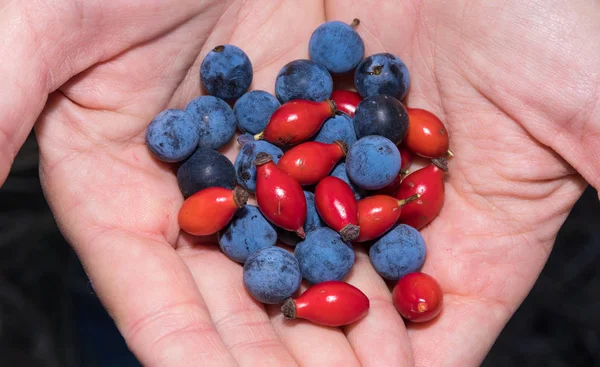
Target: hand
[515,84]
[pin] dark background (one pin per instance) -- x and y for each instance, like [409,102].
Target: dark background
[50,317]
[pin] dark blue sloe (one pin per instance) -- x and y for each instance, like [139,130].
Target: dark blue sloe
[373,162]
[172,135]
[254,109]
[399,252]
[226,72]
[303,79]
[382,73]
[272,275]
[247,232]
[323,256]
[338,127]
[381,115]
[205,168]
[337,46]
[215,119]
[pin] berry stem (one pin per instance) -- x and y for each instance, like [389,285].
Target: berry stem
[355,23]
[409,199]
[377,70]
[259,136]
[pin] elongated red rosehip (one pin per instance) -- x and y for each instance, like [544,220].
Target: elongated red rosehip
[346,101]
[427,136]
[378,213]
[279,196]
[311,161]
[210,210]
[418,297]
[336,204]
[296,121]
[429,183]
[331,303]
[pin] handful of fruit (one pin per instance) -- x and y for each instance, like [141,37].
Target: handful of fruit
[329,170]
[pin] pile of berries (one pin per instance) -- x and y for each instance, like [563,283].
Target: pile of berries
[329,170]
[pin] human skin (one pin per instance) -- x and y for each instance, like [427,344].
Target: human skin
[516,83]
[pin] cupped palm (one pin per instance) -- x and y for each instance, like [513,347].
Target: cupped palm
[487,70]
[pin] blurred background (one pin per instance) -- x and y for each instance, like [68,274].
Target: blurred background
[50,317]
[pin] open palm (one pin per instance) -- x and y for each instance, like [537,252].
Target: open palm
[507,79]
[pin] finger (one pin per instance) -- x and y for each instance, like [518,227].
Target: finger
[240,320]
[153,299]
[380,335]
[44,43]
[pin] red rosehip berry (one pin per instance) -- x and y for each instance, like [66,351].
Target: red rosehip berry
[418,297]
[209,210]
[346,101]
[331,303]
[427,136]
[279,196]
[336,204]
[296,121]
[429,183]
[311,161]
[378,213]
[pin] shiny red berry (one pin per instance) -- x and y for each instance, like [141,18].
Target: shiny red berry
[210,210]
[346,101]
[418,297]
[377,214]
[311,161]
[336,204]
[429,183]
[279,196]
[427,136]
[331,303]
[296,121]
